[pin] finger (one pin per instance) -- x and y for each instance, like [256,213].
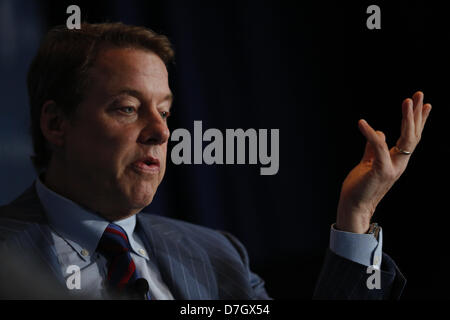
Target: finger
[399,160]
[407,119]
[377,140]
[425,114]
[418,108]
[407,136]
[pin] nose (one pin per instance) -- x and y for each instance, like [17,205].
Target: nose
[155,130]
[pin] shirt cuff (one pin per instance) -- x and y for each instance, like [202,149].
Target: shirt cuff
[364,249]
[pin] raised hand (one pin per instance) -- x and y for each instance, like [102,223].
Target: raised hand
[371,179]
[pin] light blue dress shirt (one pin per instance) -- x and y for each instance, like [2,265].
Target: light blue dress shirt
[76,234]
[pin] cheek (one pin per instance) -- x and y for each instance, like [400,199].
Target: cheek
[101,146]
[118,148]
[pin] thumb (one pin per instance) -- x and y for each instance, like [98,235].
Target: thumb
[369,153]
[376,139]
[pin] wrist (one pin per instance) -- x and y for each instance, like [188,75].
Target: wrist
[355,223]
[354,217]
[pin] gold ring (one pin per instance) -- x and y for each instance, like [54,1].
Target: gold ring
[402,151]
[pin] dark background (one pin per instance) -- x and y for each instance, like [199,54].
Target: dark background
[311,69]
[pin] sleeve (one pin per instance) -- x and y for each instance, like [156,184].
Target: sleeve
[360,248]
[347,271]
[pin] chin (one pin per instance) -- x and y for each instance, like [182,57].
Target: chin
[142,203]
[140,199]
[137,194]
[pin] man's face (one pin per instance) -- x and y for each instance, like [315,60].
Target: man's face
[116,144]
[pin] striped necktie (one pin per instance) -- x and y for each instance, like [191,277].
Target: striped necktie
[115,247]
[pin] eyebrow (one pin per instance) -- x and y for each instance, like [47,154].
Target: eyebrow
[137,94]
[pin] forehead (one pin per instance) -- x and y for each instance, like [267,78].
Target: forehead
[118,68]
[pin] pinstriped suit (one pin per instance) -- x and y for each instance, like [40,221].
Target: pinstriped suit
[195,262]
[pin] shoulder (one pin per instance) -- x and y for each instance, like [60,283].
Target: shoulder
[25,207]
[22,214]
[185,229]
[205,237]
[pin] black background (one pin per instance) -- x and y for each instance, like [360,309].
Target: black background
[311,69]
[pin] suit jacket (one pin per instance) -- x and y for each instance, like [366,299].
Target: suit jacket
[195,262]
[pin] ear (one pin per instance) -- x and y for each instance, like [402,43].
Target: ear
[53,123]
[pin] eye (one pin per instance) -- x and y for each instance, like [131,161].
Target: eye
[127,110]
[165,114]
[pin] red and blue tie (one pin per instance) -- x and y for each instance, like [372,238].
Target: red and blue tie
[115,247]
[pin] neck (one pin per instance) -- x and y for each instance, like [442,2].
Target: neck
[58,179]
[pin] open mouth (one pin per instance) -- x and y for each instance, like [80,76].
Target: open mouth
[147,165]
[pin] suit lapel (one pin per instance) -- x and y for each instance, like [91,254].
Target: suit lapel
[184,266]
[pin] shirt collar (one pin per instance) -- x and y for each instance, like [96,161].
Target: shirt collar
[80,227]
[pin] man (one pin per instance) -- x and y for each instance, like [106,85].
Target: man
[100,100]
